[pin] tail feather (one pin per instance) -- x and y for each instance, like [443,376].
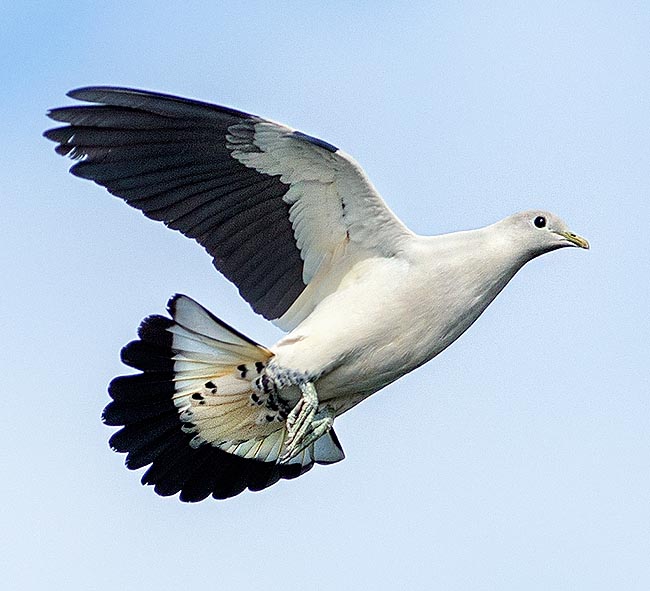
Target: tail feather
[200,412]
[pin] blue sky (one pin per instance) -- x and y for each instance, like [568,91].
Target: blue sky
[518,459]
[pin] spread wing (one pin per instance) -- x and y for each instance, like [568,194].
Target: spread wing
[284,215]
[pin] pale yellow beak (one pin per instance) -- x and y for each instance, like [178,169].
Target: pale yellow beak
[575,239]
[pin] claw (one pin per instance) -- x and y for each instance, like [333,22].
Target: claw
[301,415]
[302,429]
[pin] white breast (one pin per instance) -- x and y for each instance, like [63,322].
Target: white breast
[389,316]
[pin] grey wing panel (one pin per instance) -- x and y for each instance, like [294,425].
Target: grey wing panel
[169,158]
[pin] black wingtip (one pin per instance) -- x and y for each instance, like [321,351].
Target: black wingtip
[90,93]
[316,141]
[73,93]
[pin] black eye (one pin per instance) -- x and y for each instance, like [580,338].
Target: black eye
[540,221]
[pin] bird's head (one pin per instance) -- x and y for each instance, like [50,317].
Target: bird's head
[537,232]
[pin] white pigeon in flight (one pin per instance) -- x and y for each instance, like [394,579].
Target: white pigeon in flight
[297,226]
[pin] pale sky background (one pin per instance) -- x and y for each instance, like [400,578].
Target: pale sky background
[518,459]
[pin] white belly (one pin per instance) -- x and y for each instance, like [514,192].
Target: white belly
[387,318]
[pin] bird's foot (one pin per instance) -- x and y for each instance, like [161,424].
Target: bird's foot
[304,426]
[302,414]
[318,427]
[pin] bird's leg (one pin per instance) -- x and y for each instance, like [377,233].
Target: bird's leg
[302,414]
[320,424]
[300,420]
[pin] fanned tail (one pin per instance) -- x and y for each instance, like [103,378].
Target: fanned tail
[202,412]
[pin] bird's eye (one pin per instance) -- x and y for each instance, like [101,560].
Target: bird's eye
[540,221]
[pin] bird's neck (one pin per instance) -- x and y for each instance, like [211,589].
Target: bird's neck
[486,255]
[458,275]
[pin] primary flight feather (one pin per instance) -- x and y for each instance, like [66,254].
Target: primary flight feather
[297,226]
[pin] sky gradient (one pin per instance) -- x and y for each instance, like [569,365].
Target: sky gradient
[518,459]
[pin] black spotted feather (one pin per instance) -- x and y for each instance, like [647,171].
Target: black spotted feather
[152,432]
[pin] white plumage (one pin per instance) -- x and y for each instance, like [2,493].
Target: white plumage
[298,227]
